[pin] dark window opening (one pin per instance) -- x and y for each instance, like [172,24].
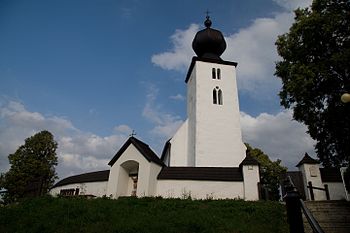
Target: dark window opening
[217,96]
[220,100]
[215,101]
[69,192]
[213,73]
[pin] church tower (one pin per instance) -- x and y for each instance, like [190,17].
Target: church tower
[214,130]
[211,136]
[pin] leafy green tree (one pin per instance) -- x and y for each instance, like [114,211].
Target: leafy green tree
[315,72]
[32,169]
[270,171]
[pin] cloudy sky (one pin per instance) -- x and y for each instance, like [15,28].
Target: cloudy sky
[91,71]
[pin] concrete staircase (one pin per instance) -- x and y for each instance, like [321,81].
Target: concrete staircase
[333,216]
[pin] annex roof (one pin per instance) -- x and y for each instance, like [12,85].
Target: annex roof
[142,147]
[83,178]
[308,160]
[201,173]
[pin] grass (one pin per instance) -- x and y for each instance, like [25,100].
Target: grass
[146,215]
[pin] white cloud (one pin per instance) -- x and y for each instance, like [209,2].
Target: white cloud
[252,47]
[123,129]
[278,135]
[293,4]
[166,124]
[177,97]
[179,56]
[77,151]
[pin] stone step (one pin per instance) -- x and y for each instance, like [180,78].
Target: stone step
[333,216]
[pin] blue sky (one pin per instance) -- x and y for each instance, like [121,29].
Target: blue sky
[90,71]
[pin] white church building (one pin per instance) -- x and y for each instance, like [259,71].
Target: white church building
[206,158]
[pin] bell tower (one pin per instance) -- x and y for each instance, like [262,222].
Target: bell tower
[214,136]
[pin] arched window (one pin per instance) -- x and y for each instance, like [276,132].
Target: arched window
[220,100]
[218,73]
[213,73]
[215,97]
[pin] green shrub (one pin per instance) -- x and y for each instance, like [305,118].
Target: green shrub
[142,215]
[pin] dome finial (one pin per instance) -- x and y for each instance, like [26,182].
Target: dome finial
[207,22]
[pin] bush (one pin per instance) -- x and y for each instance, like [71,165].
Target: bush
[144,215]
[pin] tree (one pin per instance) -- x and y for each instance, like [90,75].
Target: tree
[270,171]
[315,72]
[32,170]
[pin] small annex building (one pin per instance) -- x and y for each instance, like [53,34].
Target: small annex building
[318,183]
[205,158]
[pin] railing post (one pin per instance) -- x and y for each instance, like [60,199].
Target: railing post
[294,214]
[293,205]
[312,196]
[327,191]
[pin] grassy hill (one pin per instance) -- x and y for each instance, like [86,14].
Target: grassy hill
[132,215]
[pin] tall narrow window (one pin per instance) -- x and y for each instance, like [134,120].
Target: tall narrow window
[220,100]
[213,73]
[218,73]
[215,98]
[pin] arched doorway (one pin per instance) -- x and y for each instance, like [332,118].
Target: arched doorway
[128,178]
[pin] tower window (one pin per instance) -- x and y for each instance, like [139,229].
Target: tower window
[217,96]
[216,73]
[220,97]
[213,73]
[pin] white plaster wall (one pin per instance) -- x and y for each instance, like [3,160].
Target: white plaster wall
[97,189]
[199,189]
[152,182]
[118,179]
[191,117]
[112,181]
[178,149]
[336,191]
[251,178]
[316,180]
[215,136]
[122,182]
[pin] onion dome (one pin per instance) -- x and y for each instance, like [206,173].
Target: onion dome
[209,43]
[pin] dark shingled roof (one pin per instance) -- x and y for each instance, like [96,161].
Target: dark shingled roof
[165,149]
[330,175]
[201,173]
[308,160]
[83,178]
[144,149]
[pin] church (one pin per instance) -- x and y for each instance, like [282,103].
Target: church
[205,159]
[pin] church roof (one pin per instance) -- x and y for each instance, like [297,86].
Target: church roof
[201,173]
[142,147]
[307,160]
[165,149]
[83,178]
[330,175]
[209,42]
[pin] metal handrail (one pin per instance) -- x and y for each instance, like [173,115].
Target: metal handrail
[310,218]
